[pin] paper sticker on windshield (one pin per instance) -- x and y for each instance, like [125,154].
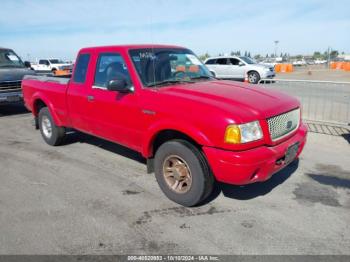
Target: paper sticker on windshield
[194,60]
[12,57]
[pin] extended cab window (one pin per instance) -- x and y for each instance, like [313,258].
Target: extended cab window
[81,68]
[110,66]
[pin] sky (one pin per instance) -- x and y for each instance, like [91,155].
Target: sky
[41,28]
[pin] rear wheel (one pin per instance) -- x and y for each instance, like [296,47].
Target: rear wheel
[183,173]
[52,134]
[253,77]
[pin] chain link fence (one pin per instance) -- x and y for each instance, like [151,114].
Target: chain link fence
[322,101]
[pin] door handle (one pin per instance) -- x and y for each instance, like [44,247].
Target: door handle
[90,98]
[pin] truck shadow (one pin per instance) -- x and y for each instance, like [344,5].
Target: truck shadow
[13,109]
[235,192]
[253,190]
[77,137]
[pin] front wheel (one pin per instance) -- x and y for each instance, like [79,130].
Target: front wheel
[183,173]
[253,77]
[52,134]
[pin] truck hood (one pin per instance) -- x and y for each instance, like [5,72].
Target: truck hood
[245,102]
[14,74]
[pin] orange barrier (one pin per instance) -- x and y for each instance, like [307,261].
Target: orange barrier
[62,72]
[278,68]
[284,68]
[340,65]
[346,66]
[333,65]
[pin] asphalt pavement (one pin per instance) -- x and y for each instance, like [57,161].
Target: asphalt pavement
[90,196]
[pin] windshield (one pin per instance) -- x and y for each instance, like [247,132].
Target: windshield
[248,60]
[160,66]
[8,58]
[56,61]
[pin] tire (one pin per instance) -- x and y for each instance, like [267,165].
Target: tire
[253,77]
[52,134]
[183,158]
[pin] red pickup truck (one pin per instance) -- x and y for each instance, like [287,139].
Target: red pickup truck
[161,101]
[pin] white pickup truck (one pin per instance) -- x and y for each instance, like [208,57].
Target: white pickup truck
[51,65]
[238,67]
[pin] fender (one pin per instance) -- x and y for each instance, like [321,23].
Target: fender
[197,135]
[41,96]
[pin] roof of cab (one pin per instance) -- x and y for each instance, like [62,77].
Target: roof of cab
[128,47]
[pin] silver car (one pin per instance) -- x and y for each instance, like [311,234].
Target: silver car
[238,67]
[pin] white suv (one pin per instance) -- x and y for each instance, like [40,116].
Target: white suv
[234,67]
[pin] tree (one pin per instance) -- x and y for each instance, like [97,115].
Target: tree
[249,54]
[204,57]
[334,54]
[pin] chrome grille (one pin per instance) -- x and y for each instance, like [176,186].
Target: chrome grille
[284,124]
[10,86]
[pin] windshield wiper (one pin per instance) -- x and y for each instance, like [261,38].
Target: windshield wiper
[201,77]
[169,81]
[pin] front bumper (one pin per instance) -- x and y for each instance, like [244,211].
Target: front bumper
[11,97]
[268,74]
[258,164]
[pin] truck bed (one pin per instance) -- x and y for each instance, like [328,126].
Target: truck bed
[48,88]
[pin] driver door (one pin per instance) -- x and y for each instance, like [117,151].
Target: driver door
[115,116]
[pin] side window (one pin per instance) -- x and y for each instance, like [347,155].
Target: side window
[110,66]
[81,68]
[42,62]
[221,61]
[210,62]
[234,61]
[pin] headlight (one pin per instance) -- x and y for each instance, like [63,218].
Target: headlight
[244,133]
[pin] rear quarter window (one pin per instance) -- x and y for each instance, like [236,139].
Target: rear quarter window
[81,68]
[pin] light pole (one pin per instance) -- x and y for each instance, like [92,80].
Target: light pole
[276,43]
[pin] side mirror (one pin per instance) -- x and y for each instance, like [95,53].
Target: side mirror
[119,85]
[241,64]
[27,64]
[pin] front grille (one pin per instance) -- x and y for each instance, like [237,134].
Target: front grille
[10,86]
[283,124]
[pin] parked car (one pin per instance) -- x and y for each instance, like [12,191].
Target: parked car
[52,65]
[301,62]
[234,67]
[12,70]
[162,102]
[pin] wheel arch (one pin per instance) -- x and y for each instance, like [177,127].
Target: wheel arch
[158,136]
[40,102]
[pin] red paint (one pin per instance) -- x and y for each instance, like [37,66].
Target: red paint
[201,110]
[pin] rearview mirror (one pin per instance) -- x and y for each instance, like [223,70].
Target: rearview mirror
[27,64]
[119,85]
